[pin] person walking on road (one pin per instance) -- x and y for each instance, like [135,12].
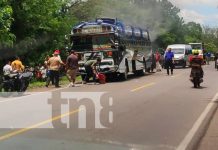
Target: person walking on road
[72,67]
[54,65]
[169,61]
[208,55]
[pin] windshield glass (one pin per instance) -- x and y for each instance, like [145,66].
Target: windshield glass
[92,56]
[95,55]
[196,46]
[92,42]
[178,51]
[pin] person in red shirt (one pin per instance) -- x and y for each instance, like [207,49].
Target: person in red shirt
[196,62]
[157,58]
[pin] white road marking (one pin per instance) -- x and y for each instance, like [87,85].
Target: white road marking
[186,141]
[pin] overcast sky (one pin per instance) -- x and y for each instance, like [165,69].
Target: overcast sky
[200,11]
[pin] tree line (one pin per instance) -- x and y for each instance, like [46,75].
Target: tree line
[32,29]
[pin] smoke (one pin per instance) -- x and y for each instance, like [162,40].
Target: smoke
[147,14]
[22,48]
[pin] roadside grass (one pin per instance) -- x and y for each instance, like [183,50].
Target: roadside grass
[63,81]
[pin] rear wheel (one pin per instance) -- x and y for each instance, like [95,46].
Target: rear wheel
[196,82]
[140,72]
[184,65]
[124,76]
[148,70]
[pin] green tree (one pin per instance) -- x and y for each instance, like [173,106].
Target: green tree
[193,32]
[6,37]
[211,47]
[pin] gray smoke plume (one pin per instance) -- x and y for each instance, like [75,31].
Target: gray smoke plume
[22,47]
[146,14]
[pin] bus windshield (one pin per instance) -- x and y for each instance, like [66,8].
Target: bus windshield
[178,51]
[196,46]
[92,42]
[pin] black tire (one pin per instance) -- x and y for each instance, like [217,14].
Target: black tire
[148,70]
[124,76]
[152,69]
[196,82]
[184,65]
[140,72]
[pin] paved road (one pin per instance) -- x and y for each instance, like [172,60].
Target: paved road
[153,112]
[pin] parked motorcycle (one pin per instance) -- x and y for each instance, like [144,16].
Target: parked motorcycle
[16,82]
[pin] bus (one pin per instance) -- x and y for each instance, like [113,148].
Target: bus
[199,47]
[123,49]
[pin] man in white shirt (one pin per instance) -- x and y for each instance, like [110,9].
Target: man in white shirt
[7,69]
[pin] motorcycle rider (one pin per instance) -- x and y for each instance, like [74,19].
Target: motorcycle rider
[17,65]
[7,70]
[196,62]
[18,69]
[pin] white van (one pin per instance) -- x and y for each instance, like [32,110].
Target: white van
[181,52]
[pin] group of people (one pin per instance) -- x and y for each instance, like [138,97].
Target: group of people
[15,66]
[54,64]
[168,61]
[195,61]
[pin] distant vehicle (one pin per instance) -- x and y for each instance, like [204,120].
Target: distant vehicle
[181,53]
[123,49]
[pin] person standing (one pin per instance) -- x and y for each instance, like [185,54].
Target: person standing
[54,65]
[7,69]
[47,68]
[157,58]
[208,55]
[17,65]
[72,67]
[169,61]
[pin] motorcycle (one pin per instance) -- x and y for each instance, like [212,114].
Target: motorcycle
[15,82]
[196,77]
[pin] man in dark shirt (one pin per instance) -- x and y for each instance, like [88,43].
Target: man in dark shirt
[169,61]
[72,67]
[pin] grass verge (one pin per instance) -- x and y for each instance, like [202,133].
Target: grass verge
[63,81]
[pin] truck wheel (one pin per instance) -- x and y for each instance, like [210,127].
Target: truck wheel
[141,72]
[184,65]
[148,70]
[124,75]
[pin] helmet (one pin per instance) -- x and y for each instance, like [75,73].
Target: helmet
[195,52]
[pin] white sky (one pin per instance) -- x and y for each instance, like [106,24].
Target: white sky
[200,11]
